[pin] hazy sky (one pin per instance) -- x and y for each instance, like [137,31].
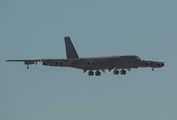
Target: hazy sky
[31,29]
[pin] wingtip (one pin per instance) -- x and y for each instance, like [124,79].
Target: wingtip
[8,60]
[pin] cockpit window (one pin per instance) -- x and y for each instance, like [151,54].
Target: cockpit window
[133,57]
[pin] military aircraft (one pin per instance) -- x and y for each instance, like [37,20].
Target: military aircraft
[96,64]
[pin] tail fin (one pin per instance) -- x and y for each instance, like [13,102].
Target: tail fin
[70,50]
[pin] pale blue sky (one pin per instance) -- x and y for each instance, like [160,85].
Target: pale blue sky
[35,29]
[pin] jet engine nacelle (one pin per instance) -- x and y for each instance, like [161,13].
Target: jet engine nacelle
[90,63]
[52,63]
[29,62]
[146,64]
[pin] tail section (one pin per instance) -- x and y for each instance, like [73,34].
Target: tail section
[70,50]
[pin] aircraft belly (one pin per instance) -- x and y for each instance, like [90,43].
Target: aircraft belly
[104,65]
[96,66]
[128,63]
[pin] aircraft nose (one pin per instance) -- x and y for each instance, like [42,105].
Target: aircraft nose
[162,64]
[139,60]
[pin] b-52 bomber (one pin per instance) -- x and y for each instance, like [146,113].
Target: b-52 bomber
[119,64]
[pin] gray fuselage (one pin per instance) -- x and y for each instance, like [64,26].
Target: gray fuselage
[102,63]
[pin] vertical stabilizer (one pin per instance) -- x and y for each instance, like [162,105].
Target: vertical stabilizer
[70,50]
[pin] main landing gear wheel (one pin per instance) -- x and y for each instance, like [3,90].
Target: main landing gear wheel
[122,72]
[27,66]
[97,73]
[116,72]
[90,73]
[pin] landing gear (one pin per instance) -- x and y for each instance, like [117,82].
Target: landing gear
[97,73]
[152,69]
[122,72]
[90,63]
[90,73]
[116,72]
[27,66]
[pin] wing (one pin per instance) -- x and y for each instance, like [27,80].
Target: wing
[25,61]
[47,62]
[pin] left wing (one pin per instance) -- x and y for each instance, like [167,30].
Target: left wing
[48,62]
[25,61]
